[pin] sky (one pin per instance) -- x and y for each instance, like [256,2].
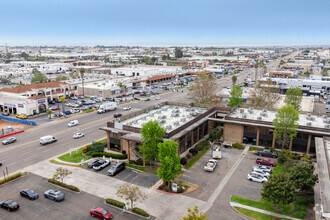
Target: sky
[164,23]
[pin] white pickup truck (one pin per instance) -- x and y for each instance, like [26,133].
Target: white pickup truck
[217,154]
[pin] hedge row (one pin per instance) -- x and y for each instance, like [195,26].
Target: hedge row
[115,203]
[89,110]
[238,146]
[70,187]
[114,156]
[140,212]
[10,178]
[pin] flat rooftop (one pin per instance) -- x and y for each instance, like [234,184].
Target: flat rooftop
[268,116]
[169,116]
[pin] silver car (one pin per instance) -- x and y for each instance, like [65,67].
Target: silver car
[9,140]
[54,194]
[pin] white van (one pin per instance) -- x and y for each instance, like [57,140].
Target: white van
[73,123]
[47,140]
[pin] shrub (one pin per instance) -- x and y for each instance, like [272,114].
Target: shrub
[10,178]
[183,161]
[189,155]
[140,212]
[286,151]
[282,158]
[70,187]
[139,162]
[123,152]
[96,148]
[201,145]
[180,190]
[238,146]
[193,151]
[272,148]
[89,110]
[85,149]
[114,156]
[305,157]
[115,203]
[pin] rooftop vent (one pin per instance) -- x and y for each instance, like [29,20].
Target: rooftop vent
[194,114]
[264,110]
[324,116]
[244,115]
[176,123]
[250,110]
[264,114]
[169,127]
[183,119]
[310,118]
[309,123]
[259,118]
[327,126]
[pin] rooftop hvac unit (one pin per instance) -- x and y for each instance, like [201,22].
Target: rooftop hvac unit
[259,118]
[183,119]
[193,109]
[176,123]
[176,107]
[264,110]
[163,121]
[324,116]
[169,127]
[327,126]
[308,114]
[309,123]
[142,124]
[250,110]
[264,114]
[194,113]
[189,116]
[244,115]
[151,114]
[241,110]
[144,118]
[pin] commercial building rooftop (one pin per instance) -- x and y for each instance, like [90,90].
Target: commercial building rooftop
[171,117]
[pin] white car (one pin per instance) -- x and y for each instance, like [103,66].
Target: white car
[101,164]
[73,123]
[157,98]
[256,178]
[211,165]
[262,168]
[261,173]
[78,135]
[126,108]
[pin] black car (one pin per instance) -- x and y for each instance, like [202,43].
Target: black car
[147,99]
[5,114]
[0,164]
[267,153]
[136,98]
[10,205]
[29,193]
[118,167]
[117,115]
[92,163]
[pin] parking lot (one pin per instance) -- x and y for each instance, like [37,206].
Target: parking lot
[131,176]
[75,206]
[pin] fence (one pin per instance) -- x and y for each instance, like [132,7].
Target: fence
[7,133]
[16,120]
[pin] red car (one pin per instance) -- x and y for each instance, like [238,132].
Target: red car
[117,115]
[54,108]
[265,161]
[101,213]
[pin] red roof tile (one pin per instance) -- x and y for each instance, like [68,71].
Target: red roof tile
[26,88]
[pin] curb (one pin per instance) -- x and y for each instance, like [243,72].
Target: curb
[14,179]
[127,211]
[242,214]
[64,188]
[177,193]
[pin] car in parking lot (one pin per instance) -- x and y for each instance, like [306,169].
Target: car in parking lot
[101,164]
[267,153]
[78,135]
[92,163]
[265,161]
[210,165]
[116,168]
[126,108]
[21,116]
[29,193]
[100,213]
[54,108]
[55,195]
[117,115]
[261,173]
[264,168]
[9,140]
[9,205]
[256,178]
[157,98]
[5,114]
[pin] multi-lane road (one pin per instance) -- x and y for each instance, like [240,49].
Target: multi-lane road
[27,150]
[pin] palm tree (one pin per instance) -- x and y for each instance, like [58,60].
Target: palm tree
[63,100]
[234,80]
[256,71]
[49,112]
[82,73]
[123,87]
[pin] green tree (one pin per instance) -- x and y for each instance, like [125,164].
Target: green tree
[61,173]
[203,88]
[49,112]
[302,176]
[235,96]
[169,161]
[195,214]
[61,78]
[282,62]
[131,193]
[153,60]
[63,100]
[152,134]
[265,69]
[325,72]
[38,78]
[24,55]
[279,189]
[178,53]
[123,88]
[234,80]
[73,75]
[286,124]
[293,96]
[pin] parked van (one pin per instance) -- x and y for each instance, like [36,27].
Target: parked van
[73,123]
[47,140]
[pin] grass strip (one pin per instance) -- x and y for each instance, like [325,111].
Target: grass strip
[76,156]
[254,214]
[201,153]
[255,148]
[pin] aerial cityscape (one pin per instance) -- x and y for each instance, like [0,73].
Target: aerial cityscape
[182,110]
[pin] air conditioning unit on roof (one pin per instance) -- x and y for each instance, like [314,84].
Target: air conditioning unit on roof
[309,123]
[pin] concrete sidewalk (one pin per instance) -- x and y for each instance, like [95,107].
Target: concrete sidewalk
[160,205]
[236,204]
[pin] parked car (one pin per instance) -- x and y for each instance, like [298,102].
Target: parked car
[68,112]
[5,114]
[136,98]
[117,115]
[21,116]
[256,178]
[55,195]
[210,165]
[101,213]
[10,205]
[78,135]
[127,108]
[54,108]
[267,153]
[101,164]
[265,161]
[261,173]
[92,163]
[73,123]
[116,168]
[29,193]
[9,140]
[157,98]
[264,168]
